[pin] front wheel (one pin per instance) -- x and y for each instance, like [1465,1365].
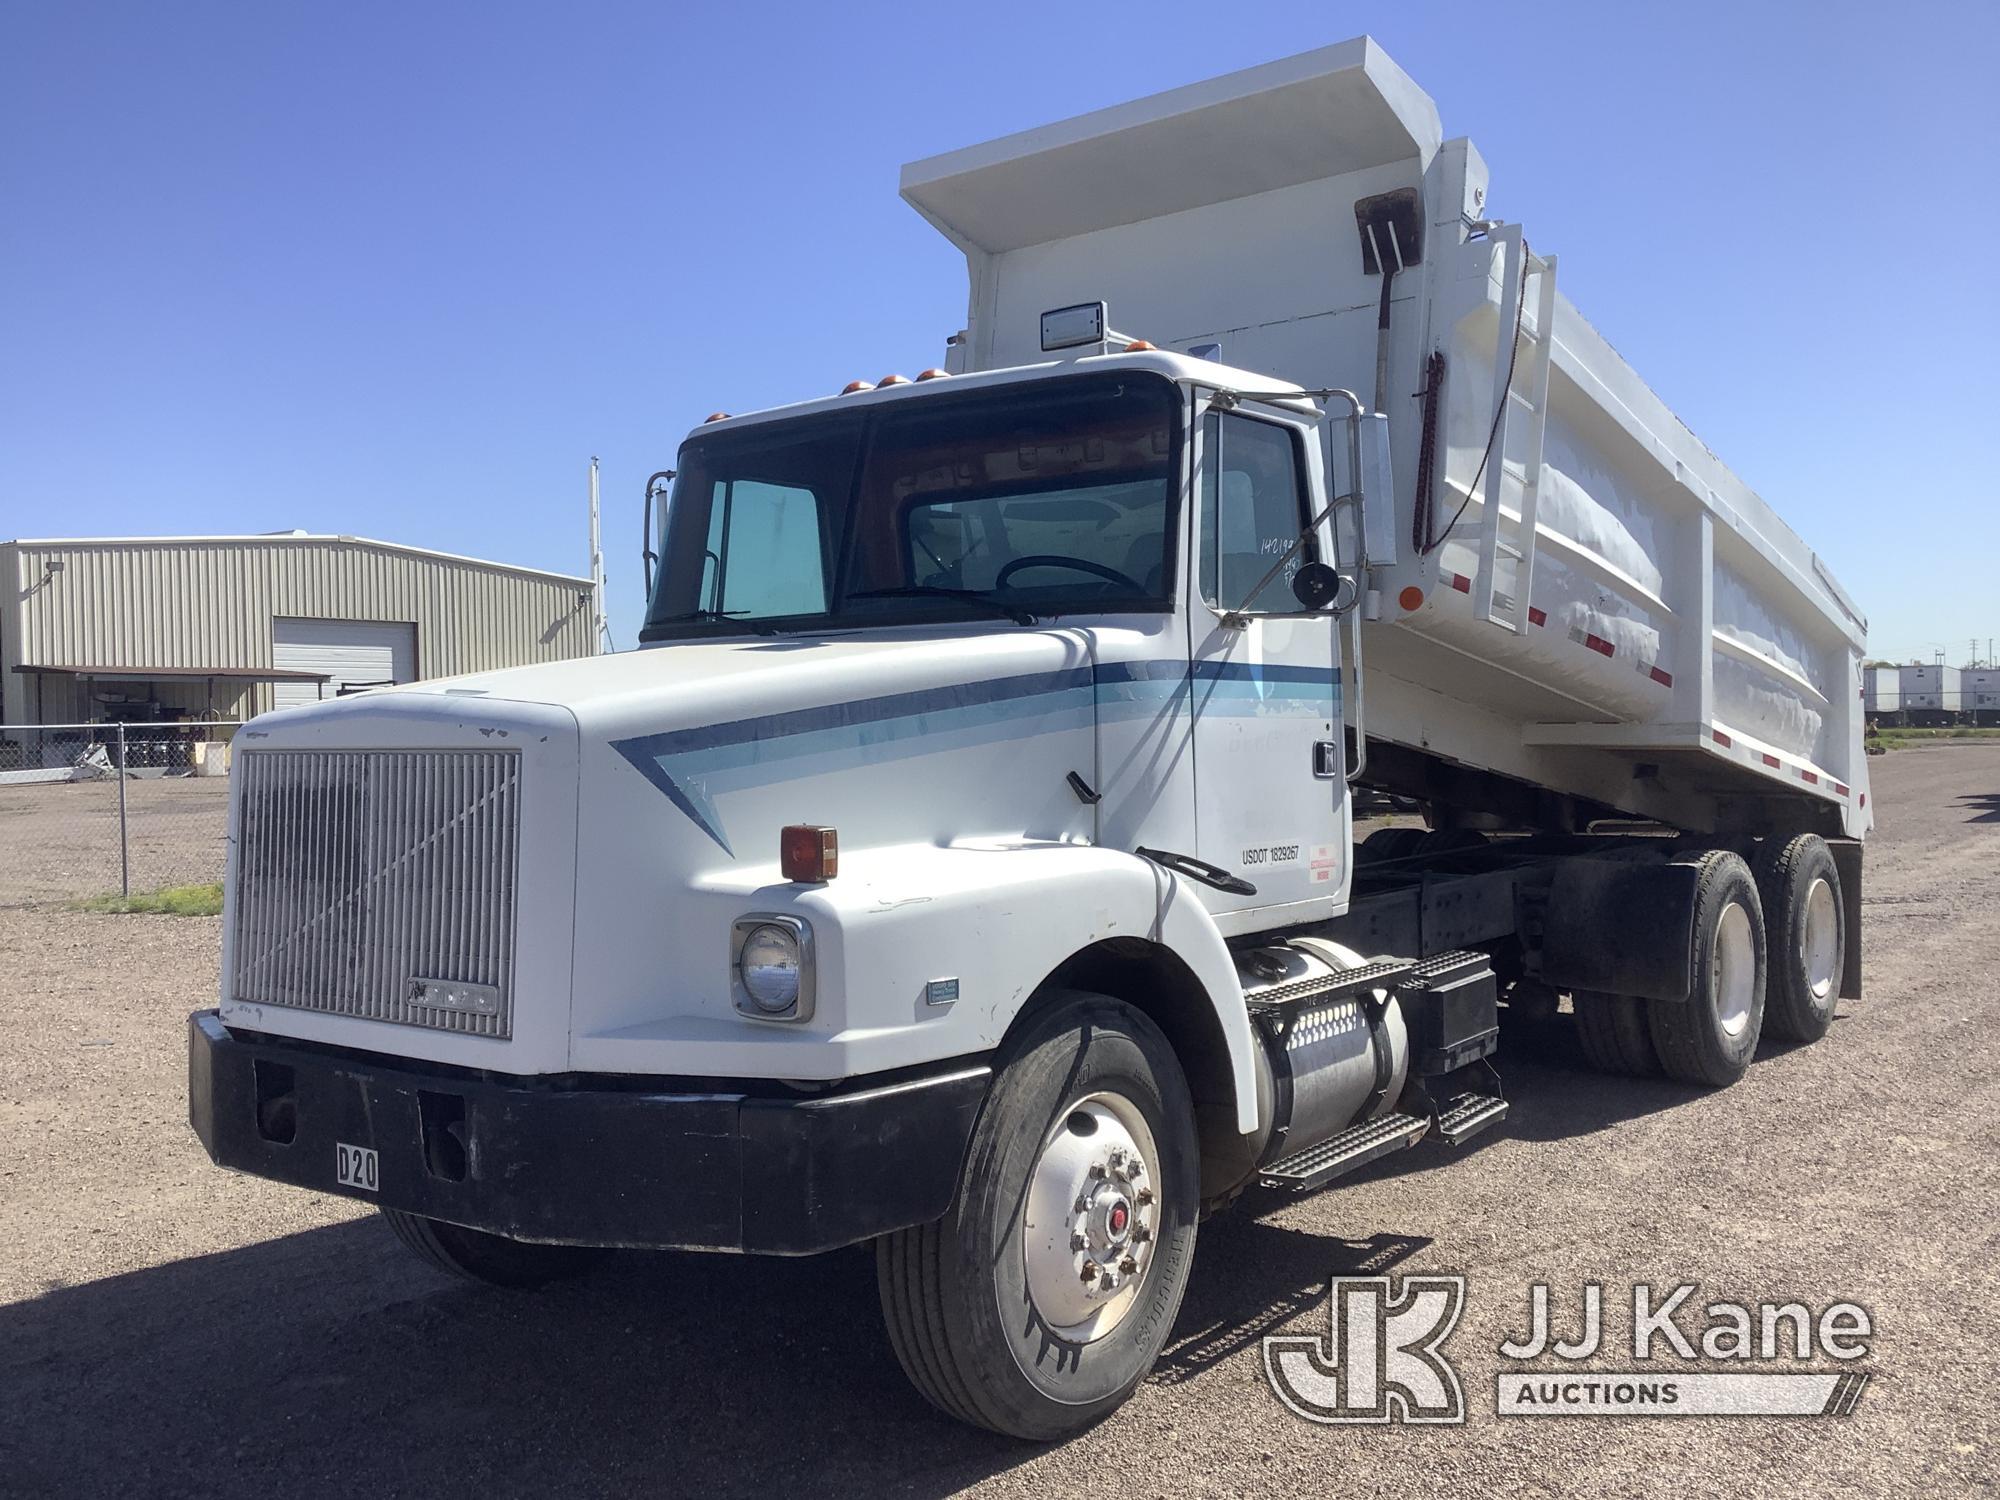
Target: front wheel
[1041,1300]
[478,1256]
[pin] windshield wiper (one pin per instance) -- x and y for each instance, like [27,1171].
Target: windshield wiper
[1013,612]
[724,616]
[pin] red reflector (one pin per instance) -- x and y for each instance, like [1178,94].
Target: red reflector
[1771,760]
[1460,582]
[1537,616]
[810,853]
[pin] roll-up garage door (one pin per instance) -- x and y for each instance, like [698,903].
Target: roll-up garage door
[352,653]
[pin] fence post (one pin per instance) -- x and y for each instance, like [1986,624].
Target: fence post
[124,841]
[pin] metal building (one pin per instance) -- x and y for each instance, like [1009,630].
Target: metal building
[224,627]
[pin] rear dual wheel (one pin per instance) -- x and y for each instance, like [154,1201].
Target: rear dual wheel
[1806,932]
[1615,1034]
[1710,1037]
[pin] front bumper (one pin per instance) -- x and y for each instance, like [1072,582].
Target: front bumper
[608,1162]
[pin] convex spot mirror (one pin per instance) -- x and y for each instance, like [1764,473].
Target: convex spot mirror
[1316,585]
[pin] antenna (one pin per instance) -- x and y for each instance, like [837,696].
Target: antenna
[600,626]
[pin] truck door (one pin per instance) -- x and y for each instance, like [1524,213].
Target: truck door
[1270,795]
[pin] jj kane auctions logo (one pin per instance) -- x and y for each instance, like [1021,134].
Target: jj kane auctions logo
[1382,1359]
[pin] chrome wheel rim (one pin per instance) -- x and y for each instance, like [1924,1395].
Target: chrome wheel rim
[1819,941]
[1733,966]
[1088,1234]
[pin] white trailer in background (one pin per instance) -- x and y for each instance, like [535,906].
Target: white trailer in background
[1882,694]
[1932,694]
[1980,687]
[968,865]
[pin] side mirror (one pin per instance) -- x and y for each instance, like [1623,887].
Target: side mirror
[1316,585]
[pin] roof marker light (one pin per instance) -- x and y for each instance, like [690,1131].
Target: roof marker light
[1139,346]
[933,373]
[888,380]
[855,385]
[715,416]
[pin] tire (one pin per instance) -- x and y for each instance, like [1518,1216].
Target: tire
[1027,1352]
[491,1258]
[1391,843]
[1616,1034]
[1710,1037]
[1805,936]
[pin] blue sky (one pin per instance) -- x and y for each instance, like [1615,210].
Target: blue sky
[399,270]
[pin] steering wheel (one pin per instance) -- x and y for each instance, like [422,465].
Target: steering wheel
[1080,564]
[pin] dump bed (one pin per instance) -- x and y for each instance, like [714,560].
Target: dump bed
[1583,598]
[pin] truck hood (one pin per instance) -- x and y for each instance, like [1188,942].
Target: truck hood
[683,683]
[737,737]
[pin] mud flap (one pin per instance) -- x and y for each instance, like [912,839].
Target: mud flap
[1622,928]
[1847,863]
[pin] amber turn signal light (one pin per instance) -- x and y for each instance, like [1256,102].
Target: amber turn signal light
[809,853]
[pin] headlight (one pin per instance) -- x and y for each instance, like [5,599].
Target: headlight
[774,968]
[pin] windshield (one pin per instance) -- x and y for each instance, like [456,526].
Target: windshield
[1053,497]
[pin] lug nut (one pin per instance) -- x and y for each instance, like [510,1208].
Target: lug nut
[1145,1197]
[1097,1169]
[1108,1284]
[1128,1265]
[1136,1170]
[1077,1242]
[1083,1205]
[1089,1271]
[1141,1234]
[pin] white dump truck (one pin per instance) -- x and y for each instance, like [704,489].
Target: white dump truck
[966,864]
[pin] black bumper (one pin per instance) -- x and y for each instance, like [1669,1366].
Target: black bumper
[641,1165]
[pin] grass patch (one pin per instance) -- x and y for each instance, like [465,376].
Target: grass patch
[1893,737]
[174,901]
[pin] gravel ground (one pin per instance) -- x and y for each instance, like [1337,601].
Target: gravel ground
[169,1328]
[59,840]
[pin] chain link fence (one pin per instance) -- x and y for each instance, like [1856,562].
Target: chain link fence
[111,809]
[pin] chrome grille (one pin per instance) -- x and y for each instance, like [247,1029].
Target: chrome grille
[370,882]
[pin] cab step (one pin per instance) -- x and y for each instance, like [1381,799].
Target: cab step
[1469,1114]
[1356,1146]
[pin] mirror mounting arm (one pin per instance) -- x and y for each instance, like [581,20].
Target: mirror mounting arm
[648,558]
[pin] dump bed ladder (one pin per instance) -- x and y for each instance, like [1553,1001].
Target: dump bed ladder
[1508,608]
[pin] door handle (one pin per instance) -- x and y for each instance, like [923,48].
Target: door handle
[1326,759]
[1198,869]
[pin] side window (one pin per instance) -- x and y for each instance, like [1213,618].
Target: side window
[1253,505]
[764,554]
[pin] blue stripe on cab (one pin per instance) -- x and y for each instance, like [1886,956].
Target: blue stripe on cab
[679,762]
